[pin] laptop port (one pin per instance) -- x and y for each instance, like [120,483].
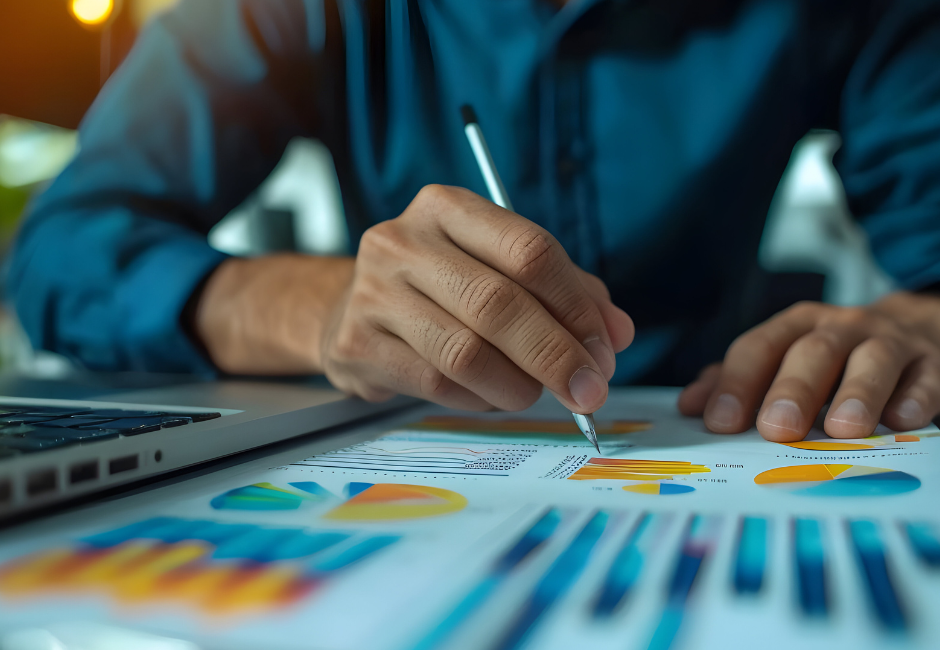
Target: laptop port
[6,492]
[41,482]
[82,472]
[122,464]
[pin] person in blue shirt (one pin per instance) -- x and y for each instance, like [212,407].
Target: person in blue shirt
[640,140]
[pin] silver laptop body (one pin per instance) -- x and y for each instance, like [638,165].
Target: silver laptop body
[182,424]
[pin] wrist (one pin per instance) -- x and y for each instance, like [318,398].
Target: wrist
[267,315]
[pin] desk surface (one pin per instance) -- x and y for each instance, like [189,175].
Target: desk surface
[506,531]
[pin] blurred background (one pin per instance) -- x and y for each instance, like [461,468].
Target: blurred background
[56,54]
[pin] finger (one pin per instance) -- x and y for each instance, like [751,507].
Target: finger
[459,353]
[916,400]
[509,317]
[390,366]
[531,257]
[694,397]
[804,382]
[750,365]
[871,375]
[619,325]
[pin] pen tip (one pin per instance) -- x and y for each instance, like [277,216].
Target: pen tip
[468,114]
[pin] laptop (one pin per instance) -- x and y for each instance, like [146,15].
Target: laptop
[64,439]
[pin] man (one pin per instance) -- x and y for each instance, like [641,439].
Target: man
[641,142]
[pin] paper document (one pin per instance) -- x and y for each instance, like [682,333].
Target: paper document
[508,531]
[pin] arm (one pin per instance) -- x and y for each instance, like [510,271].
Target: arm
[188,127]
[879,363]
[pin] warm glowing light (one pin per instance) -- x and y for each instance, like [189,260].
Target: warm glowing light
[92,12]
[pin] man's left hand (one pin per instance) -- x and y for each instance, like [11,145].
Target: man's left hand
[877,364]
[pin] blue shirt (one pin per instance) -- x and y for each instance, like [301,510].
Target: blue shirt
[648,136]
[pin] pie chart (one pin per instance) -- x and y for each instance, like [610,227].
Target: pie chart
[265,496]
[659,488]
[839,480]
[391,501]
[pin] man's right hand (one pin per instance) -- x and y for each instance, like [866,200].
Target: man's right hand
[457,301]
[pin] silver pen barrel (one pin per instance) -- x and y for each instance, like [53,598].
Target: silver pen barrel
[500,197]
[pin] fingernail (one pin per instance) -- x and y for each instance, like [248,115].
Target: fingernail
[726,412]
[911,410]
[602,354]
[851,411]
[784,414]
[587,388]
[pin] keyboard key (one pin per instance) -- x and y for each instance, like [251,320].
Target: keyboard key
[59,411]
[136,426]
[73,435]
[25,418]
[113,414]
[74,422]
[197,417]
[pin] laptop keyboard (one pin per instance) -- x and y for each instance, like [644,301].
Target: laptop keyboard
[28,429]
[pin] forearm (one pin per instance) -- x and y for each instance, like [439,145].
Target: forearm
[267,315]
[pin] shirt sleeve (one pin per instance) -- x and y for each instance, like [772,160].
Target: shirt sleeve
[197,116]
[890,124]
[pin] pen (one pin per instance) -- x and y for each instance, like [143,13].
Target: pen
[498,195]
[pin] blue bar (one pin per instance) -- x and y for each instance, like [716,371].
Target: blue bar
[881,592]
[555,583]
[696,547]
[923,538]
[253,547]
[751,559]
[352,555]
[624,572]
[530,541]
[811,567]
[306,544]
[312,488]
[533,539]
[126,533]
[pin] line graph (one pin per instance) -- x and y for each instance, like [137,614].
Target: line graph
[422,459]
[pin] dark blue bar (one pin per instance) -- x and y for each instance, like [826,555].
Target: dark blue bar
[555,583]
[751,559]
[623,572]
[352,555]
[532,540]
[810,567]
[881,592]
[924,540]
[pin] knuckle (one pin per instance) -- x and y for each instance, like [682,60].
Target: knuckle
[532,254]
[383,240]
[804,308]
[433,384]
[464,355]
[883,350]
[851,316]
[349,344]
[551,356]
[754,346]
[819,343]
[435,198]
[489,299]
